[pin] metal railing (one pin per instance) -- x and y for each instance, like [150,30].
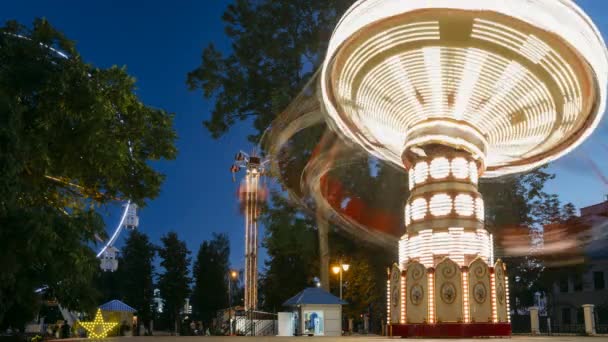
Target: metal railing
[254,323]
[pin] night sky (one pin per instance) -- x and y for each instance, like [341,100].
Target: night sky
[160,42]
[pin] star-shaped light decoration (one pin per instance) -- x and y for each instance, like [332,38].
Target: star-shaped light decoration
[98,328]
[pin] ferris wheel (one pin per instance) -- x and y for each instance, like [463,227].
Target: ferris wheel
[128,220]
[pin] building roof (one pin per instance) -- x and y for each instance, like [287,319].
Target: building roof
[116,305]
[314,295]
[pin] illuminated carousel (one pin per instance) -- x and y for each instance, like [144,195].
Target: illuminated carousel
[454,91]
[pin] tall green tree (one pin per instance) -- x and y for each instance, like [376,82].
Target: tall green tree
[362,290]
[174,282]
[291,244]
[73,137]
[211,276]
[136,271]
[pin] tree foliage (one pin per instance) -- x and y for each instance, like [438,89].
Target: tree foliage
[174,283]
[72,137]
[291,244]
[211,273]
[276,45]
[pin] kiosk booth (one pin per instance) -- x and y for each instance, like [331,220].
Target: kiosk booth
[314,312]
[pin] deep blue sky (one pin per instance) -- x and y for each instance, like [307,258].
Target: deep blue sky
[159,42]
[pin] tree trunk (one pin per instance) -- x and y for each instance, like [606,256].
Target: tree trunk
[323,232]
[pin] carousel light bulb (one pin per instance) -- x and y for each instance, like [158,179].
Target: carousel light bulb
[474,173]
[419,209]
[479,209]
[460,168]
[421,172]
[464,205]
[441,205]
[440,168]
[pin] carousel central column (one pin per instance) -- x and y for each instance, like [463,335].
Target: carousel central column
[444,214]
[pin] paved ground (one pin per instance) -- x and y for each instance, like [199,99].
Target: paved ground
[340,339]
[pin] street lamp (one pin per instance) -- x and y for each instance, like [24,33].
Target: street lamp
[338,270]
[233,275]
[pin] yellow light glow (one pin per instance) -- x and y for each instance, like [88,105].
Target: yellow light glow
[98,328]
[493,290]
[388,301]
[455,242]
[465,297]
[345,267]
[431,284]
[335,269]
[403,296]
[507,293]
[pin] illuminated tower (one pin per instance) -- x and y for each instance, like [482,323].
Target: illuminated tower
[252,194]
[454,91]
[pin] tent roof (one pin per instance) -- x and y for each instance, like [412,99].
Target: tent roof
[116,305]
[314,295]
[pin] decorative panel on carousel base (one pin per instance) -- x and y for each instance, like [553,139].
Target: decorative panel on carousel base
[480,301]
[448,292]
[416,280]
[395,295]
[450,300]
[502,298]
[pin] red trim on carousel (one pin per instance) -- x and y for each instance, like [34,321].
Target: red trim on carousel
[450,330]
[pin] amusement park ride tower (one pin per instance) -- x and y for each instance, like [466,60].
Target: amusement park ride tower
[252,194]
[454,91]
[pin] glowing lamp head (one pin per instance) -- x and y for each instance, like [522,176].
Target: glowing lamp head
[345,267]
[515,83]
[335,269]
[234,274]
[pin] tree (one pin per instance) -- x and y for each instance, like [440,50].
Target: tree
[291,245]
[136,271]
[174,283]
[361,289]
[211,276]
[73,137]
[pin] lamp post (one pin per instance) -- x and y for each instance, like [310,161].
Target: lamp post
[338,270]
[233,275]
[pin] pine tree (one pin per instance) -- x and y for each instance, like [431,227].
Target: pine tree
[211,276]
[174,283]
[136,275]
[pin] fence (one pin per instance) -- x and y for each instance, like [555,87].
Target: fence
[252,323]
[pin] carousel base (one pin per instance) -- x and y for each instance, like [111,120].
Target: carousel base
[454,330]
